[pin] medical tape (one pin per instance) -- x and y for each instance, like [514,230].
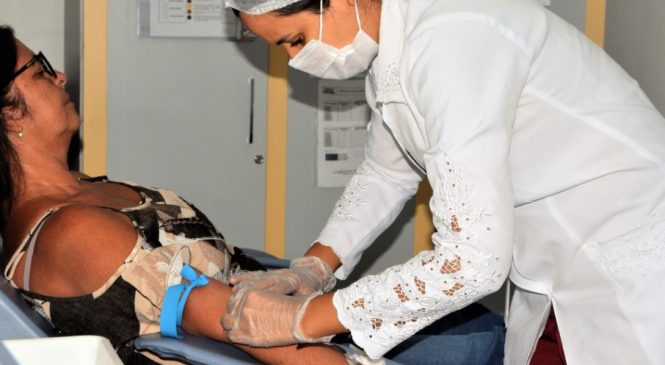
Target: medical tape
[174,301]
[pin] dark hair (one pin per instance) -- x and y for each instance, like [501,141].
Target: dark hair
[297,7]
[10,102]
[304,5]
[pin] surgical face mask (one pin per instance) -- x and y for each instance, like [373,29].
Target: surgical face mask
[327,62]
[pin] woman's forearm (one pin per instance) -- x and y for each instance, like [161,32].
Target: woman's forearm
[325,253]
[320,318]
[203,314]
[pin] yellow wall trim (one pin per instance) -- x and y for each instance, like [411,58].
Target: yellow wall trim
[595,21]
[94,64]
[276,141]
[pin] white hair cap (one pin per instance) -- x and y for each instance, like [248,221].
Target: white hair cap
[256,7]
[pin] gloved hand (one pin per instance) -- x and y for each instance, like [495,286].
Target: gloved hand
[264,319]
[305,275]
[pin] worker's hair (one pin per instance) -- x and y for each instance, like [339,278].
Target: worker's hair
[297,7]
[11,106]
[304,5]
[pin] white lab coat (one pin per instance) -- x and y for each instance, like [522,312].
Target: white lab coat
[546,161]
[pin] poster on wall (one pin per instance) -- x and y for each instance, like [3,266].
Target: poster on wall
[342,118]
[189,18]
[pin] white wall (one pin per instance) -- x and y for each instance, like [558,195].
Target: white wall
[39,24]
[178,117]
[53,27]
[574,11]
[635,38]
[50,26]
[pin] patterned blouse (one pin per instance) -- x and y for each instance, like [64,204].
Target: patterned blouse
[171,232]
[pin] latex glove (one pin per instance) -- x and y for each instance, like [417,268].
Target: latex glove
[264,319]
[304,276]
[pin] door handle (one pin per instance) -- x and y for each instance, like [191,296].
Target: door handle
[250,138]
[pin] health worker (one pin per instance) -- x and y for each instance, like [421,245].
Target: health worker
[547,166]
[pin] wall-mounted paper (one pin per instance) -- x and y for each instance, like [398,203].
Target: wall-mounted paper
[188,18]
[342,130]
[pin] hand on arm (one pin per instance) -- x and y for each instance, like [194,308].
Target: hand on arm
[305,275]
[307,319]
[203,317]
[263,319]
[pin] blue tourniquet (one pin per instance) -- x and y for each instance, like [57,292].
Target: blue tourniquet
[174,301]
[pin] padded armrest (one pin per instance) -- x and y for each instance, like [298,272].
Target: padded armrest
[266,259]
[194,350]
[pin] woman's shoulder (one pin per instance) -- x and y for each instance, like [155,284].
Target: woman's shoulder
[24,217]
[81,228]
[85,230]
[77,247]
[69,221]
[86,218]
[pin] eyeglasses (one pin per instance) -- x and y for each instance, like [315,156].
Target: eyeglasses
[39,57]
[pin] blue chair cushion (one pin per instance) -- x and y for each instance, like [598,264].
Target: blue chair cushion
[193,350]
[266,259]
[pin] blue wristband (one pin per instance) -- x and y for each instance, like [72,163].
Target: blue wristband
[174,301]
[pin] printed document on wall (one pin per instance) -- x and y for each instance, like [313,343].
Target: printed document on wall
[186,18]
[342,120]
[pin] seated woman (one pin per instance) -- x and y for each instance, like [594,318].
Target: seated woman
[95,256]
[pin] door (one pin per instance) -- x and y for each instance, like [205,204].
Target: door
[179,115]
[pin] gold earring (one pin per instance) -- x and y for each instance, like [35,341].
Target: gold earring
[20,133]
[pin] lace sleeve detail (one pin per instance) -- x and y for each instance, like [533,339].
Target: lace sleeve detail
[383,310]
[371,200]
[351,198]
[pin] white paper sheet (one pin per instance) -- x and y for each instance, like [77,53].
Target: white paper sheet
[342,120]
[187,18]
